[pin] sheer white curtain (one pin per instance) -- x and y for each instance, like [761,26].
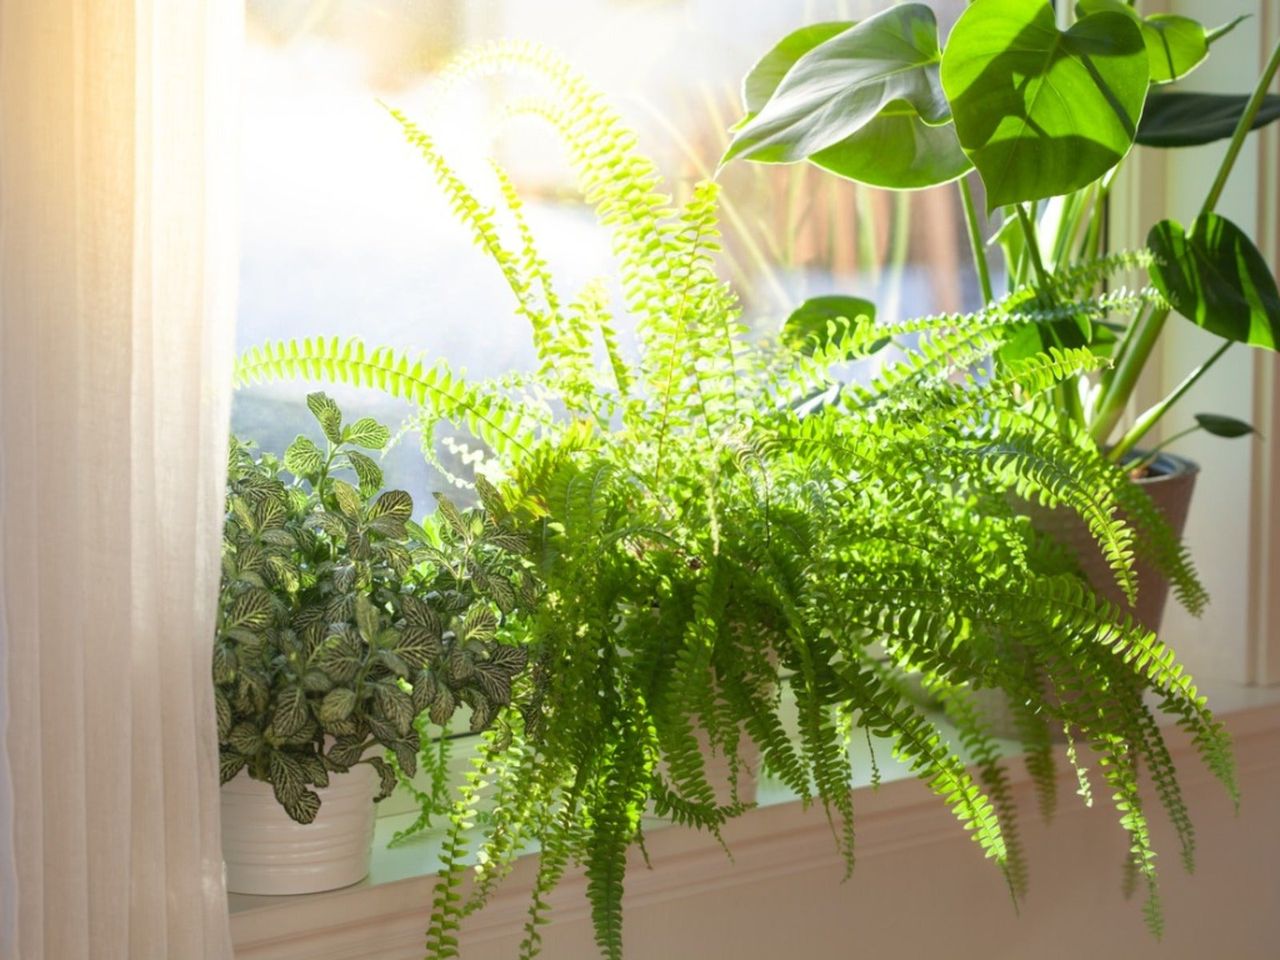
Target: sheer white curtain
[117,266]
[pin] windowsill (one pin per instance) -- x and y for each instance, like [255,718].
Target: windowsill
[778,836]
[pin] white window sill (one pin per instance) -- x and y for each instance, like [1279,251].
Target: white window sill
[384,916]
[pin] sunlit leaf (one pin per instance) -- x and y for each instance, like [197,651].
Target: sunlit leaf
[1042,111]
[1215,277]
[327,414]
[838,87]
[1175,45]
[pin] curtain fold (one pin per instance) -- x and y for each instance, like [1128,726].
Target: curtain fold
[118,164]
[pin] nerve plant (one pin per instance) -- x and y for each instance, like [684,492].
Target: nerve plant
[1045,117]
[722,519]
[341,620]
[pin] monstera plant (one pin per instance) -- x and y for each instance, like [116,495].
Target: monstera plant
[1042,116]
[341,620]
[720,524]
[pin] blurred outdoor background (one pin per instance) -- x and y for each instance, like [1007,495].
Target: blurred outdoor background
[344,232]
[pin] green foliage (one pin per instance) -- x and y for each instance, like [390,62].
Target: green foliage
[1214,276]
[1175,45]
[1046,115]
[1042,111]
[721,519]
[1180,118]
[862,100]
[337,627]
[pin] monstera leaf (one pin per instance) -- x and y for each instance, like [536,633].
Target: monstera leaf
[1041,111]
[760,83]
[1215,277]
[861,100]
[1175,45]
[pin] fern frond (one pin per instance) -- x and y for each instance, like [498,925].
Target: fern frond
[490,418]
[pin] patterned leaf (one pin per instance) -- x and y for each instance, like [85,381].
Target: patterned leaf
[406,753]
[417,612]
[497,673]
[500,592]
[316,681]
[303,458]
[346,752]
[368,433]
[344,577]
[291,713]
[348,498]
[337,705]
[317,773]
[229,764]
[462,668]
[453,517]
[304,735]
[395,705]
[271,514]
[393,504]
[418,646]
[480,623]
[328,415]
[491,498]
[288,778]
[368,620]
[340,657]
[224,662]
[393,662]
[367,471]
[443,706]
[481,713]
[397,557]
[222,706]
[245,738]
[386,778]
[424,691]
[252,609]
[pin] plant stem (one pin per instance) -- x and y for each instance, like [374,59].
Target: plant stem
[975,239]
[1033,246]
[1122,347]
[1154,452]
[1068,392]
[1153,415]
[1111,405]
[1242,130]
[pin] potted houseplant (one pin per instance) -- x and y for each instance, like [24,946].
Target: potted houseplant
[721,518]
[340,622]
[1043,117]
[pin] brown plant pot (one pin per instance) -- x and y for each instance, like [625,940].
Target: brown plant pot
[1169,483]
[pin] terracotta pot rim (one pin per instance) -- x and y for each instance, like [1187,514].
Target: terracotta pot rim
[1167,467]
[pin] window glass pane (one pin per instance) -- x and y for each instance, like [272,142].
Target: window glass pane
[345,233]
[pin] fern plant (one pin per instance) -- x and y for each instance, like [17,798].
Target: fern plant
[341,620]
[720,520]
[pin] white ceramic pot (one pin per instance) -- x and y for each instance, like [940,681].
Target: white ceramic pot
[266,852]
